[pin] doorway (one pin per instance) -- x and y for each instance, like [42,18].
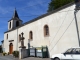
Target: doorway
[10,48]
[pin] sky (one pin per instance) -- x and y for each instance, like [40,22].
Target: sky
[26,9]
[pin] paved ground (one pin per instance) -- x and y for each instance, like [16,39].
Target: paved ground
[33,58]
[9,57]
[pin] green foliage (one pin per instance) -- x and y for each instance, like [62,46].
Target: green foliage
[54,4]
[4,53]
[16,53]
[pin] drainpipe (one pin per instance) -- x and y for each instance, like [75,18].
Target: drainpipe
[75,12]
[17,41]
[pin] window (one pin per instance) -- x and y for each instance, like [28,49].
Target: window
[46,30]
[7,36]
[74,51]
[77,50]
[69,51]
[30,35]
[19,37]
[10,25]
[17,23]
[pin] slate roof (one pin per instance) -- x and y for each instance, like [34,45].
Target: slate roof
[44,15]
[15,16]
[2,41]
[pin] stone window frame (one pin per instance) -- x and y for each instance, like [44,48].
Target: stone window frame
[46,30]
[17,23]
[10,24]
[7,36]
[31,35]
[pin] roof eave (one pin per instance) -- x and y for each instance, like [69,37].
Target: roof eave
[35,19]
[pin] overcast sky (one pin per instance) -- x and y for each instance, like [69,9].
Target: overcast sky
[27,10]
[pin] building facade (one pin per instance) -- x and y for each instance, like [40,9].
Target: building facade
[56,30]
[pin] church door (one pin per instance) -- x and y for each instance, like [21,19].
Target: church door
[10,48]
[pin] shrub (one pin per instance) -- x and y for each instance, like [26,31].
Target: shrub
[4,53]
[16,53]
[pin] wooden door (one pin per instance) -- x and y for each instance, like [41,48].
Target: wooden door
[10,48]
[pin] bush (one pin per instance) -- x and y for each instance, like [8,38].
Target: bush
[16,53]
[4,53]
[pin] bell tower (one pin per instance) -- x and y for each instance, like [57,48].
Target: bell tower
[15,21]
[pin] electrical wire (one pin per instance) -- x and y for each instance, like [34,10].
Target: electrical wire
[31,5]
[35,15]
[62,34]
[60,26]
[21,16]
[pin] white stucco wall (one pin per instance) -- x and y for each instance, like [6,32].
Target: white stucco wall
[11,36]
[62,32]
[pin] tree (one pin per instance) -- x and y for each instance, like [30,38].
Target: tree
[54,4]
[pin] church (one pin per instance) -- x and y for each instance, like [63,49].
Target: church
[56,30]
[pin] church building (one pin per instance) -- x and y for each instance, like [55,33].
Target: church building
[56,30]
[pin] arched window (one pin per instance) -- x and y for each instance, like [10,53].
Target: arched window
[17,23]
[31,35]
[19,37]
[7,36]
[46,30]
[10,25]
